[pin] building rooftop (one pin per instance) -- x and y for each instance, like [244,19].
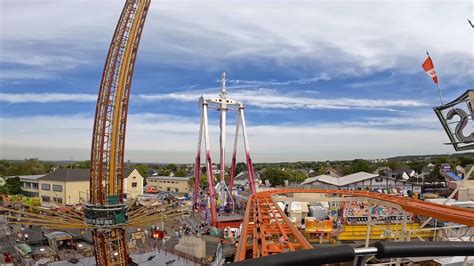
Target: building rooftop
[356,177]
[29,177]
[317,178]
[341,181]
[67,174]
[127,172]
[244,175]
[58,235]
[175,178]
[427,169]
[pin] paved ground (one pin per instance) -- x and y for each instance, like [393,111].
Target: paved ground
[146,259]
[160,258]
[7,241]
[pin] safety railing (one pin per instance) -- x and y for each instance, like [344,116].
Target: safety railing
[380,250]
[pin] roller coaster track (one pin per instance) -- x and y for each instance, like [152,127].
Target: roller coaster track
[267,230]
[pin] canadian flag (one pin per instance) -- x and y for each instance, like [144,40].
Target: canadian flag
[428,67]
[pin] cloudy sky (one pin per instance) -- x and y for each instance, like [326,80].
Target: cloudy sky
[321,80]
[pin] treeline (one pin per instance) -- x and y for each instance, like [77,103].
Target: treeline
[25,167]
[318,168]
[12,186]
[276,173]
[37,167]
[163,169]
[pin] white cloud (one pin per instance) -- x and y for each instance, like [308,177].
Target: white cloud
[271,98]
[46,97]
[13,75]
[342,37]
[165,138]
[238,83]
[265,98]
[419,121]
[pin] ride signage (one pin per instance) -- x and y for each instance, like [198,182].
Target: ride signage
[455,117]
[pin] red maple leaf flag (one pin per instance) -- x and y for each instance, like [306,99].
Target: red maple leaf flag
[428,67]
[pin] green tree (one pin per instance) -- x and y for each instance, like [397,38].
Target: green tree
[276,176]
[345,170]
[435,175]
[360,165]
[165,172]
[12,186]
[3,167]
[395,164]
[240,167]
[84,165]
[172,167]
[463,161]
[442,159]
[296,176]
[3,190]
[142,169]
[417,165]
[181,173]
[26,167]
[203,181]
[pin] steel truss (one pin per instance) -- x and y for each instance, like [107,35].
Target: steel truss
[108,139]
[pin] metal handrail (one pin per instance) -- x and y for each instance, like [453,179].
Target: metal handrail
[381,250]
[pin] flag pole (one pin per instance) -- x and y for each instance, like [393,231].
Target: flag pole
[440,95]
[437,84]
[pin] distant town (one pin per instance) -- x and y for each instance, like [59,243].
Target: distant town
[411,172]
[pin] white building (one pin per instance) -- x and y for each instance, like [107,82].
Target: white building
[30,184]
[170,183]
[405,174]
[362,181]
[426,171]
[242,179]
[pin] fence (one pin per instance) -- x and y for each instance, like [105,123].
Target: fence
[184,256]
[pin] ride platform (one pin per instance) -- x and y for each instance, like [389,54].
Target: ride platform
[232,220]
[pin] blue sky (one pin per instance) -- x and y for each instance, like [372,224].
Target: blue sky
[322,80]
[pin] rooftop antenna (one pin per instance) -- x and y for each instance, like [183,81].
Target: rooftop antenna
[223,87]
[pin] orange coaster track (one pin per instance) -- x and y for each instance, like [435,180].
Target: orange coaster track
[267,230]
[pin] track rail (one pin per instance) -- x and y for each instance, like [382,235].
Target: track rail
[267,230]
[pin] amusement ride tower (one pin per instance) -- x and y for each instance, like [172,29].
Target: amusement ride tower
[222,104]
[106,210]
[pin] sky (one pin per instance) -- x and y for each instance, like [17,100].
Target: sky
[321,80]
